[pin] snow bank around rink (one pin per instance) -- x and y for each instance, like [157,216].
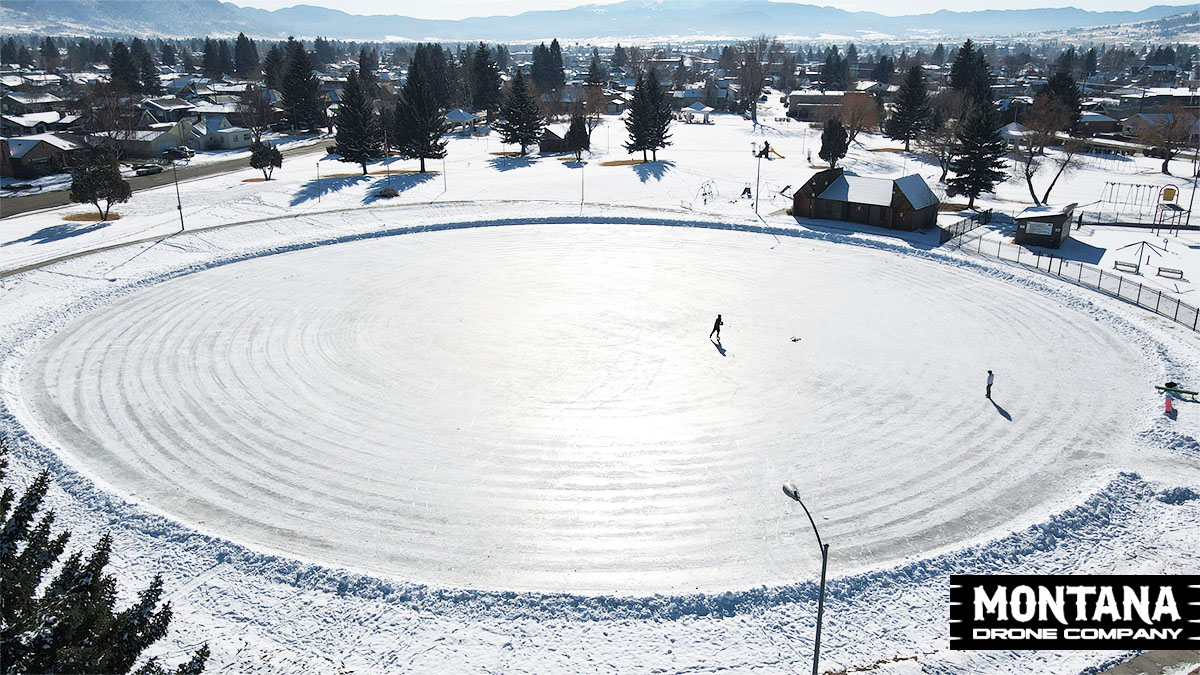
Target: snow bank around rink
[269,613]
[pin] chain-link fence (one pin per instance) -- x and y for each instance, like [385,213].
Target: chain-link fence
[1109,282]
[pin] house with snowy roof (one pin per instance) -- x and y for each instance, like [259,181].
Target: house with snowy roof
[39,154]
[904,203]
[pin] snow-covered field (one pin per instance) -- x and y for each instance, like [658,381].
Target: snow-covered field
[494,436]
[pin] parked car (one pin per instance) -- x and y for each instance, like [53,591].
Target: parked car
[179,152]
[148,170]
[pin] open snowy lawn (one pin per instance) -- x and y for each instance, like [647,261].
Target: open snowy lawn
[408,443]
[705,170]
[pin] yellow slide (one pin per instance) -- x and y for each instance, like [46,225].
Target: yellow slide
[777,153]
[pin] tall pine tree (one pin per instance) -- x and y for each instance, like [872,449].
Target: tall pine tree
[911,113]
[245,56]
[358,137]
[649,117]
[834,142]
[419,122]
[123,70]
[486,82]
[521,120]
[978,165]
[273,67]
[301,89]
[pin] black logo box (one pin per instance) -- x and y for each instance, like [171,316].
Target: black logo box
[1136,597]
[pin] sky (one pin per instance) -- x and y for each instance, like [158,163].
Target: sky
[459,9]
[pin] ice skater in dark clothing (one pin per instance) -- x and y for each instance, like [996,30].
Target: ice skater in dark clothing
[991,379]
[716,328]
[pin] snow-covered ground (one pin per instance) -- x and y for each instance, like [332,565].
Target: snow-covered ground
[489,433]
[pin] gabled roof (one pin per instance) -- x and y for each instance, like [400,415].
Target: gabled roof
[18,147]
[30,99]
[698,107]
[916,191]
[878,191]
[168,103]
[859,190]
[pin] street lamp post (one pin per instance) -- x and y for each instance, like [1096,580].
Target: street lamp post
[178,200]
[790,490]
[318,181]
[757,180]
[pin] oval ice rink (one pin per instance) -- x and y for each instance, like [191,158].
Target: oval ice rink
[539,407]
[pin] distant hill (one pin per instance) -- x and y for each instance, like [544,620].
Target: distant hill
[629,19]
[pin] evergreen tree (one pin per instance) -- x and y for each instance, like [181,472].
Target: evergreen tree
[971,75]
[430,59]
[619,58]
[123,70]
[1089,62]
[577,139]
[883,70]
[301,89]
[649,117]
[557,72]
[166,55]
[99,182]
[418,119]
[49,53]
[1061,87]
[265,158]
[323,52]
[211,66]
[245,55]
[503,59]
[366,70]
[486,82]
[187,61]
[596,76]
[72,625]
[978,165]
[25,58]
[8,53]
[911,114]
[939,54]
[521,120]
[834,142]
[358,135]
[225,58]
[273,67]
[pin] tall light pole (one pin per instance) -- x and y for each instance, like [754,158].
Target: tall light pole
[318,180]
[790,490]
[178,200]
[757,180]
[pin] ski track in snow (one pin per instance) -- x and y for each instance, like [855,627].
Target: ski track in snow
[274,613]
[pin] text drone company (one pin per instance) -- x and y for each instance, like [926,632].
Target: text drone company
[1074,612]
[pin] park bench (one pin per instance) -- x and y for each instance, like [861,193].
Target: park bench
[1178,390]
[1125,266]
[1170,272]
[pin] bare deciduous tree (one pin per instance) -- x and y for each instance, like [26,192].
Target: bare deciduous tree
[255,111]
[1169,132]
[858,112]
[754,57]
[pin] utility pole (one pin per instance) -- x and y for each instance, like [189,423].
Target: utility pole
[318,181]
[757,181]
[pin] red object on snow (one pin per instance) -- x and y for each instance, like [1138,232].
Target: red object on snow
[1168,403]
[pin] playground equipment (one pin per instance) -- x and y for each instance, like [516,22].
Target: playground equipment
[1129,198]
[1168,214]
[1174,388]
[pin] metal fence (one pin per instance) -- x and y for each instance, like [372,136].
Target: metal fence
[1107,282]
[964,225]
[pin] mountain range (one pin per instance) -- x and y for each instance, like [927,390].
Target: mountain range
[679,19]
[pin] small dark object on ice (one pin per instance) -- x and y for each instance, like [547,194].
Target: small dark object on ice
[795,339]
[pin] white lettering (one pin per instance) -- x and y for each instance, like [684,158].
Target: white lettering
[1165,604]
[1106,605]
[1052,602]
[1081,594]
[993,605]
[1022,603]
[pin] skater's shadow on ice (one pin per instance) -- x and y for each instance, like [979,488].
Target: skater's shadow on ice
[398,182]
[717,344]
[1002,411]
[510,163]
[324,186]
[57,232]
[656,170]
